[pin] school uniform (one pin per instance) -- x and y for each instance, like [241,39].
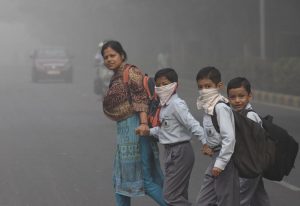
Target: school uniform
[224,189]
[252,191]
[176,130]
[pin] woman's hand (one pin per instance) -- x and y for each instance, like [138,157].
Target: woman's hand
[142,130]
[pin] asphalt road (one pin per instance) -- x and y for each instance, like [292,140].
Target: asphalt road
[57,148]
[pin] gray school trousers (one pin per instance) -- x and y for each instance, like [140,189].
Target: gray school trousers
[179,161]
[252,192]
[223,190]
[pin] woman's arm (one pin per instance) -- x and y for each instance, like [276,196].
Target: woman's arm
[143,128]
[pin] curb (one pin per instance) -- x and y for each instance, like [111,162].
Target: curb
[277,98]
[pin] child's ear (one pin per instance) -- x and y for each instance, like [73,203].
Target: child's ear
[250,96]
[220,85]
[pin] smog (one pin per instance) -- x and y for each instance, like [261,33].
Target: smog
[57,146]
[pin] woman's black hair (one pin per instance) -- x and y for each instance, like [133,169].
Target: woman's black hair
[169,73]
[116,46]
[239,82]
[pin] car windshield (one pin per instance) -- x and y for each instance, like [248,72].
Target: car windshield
[51,53]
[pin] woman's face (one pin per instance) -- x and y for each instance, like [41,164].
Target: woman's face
[112,59]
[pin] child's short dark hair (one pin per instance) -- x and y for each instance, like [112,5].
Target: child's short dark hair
[211,73]
[169,73]
[239,82]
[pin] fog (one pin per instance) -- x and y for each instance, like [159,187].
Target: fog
[237,37]
[258,39]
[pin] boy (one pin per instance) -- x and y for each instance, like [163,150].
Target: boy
[177,125]
[252,191]
[221,180]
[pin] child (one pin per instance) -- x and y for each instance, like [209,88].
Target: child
[252,191]
[177,125]
[221,180]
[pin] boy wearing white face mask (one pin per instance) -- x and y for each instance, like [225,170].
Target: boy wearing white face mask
[221,181]
[177,127]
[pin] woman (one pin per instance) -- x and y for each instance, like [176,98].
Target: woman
[136,166]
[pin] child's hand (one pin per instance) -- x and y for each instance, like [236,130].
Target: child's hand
[216,171]
[142,130]
[206,150]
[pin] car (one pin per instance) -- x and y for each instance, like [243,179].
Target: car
[51,63]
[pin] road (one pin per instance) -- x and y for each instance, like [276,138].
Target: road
[56,146]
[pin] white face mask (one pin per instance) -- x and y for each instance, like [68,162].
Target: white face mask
[165,92]
[208,98]
[206,93]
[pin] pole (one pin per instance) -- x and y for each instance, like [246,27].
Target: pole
[262,29]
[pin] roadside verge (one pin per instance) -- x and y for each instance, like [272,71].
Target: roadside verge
[277,98]
[259,95]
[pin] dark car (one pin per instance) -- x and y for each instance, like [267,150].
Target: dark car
[51,63]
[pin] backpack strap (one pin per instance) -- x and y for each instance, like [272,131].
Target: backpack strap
[154,118]
[214,118]
[127,67]
[126,73]
[149,85]
[244,112]
[146,85]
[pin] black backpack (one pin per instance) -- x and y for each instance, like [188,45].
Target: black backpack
[254,152]
[268,151]
[286,150]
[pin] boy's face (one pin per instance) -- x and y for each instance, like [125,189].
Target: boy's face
[208,84]
[162,81]
[239,98]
